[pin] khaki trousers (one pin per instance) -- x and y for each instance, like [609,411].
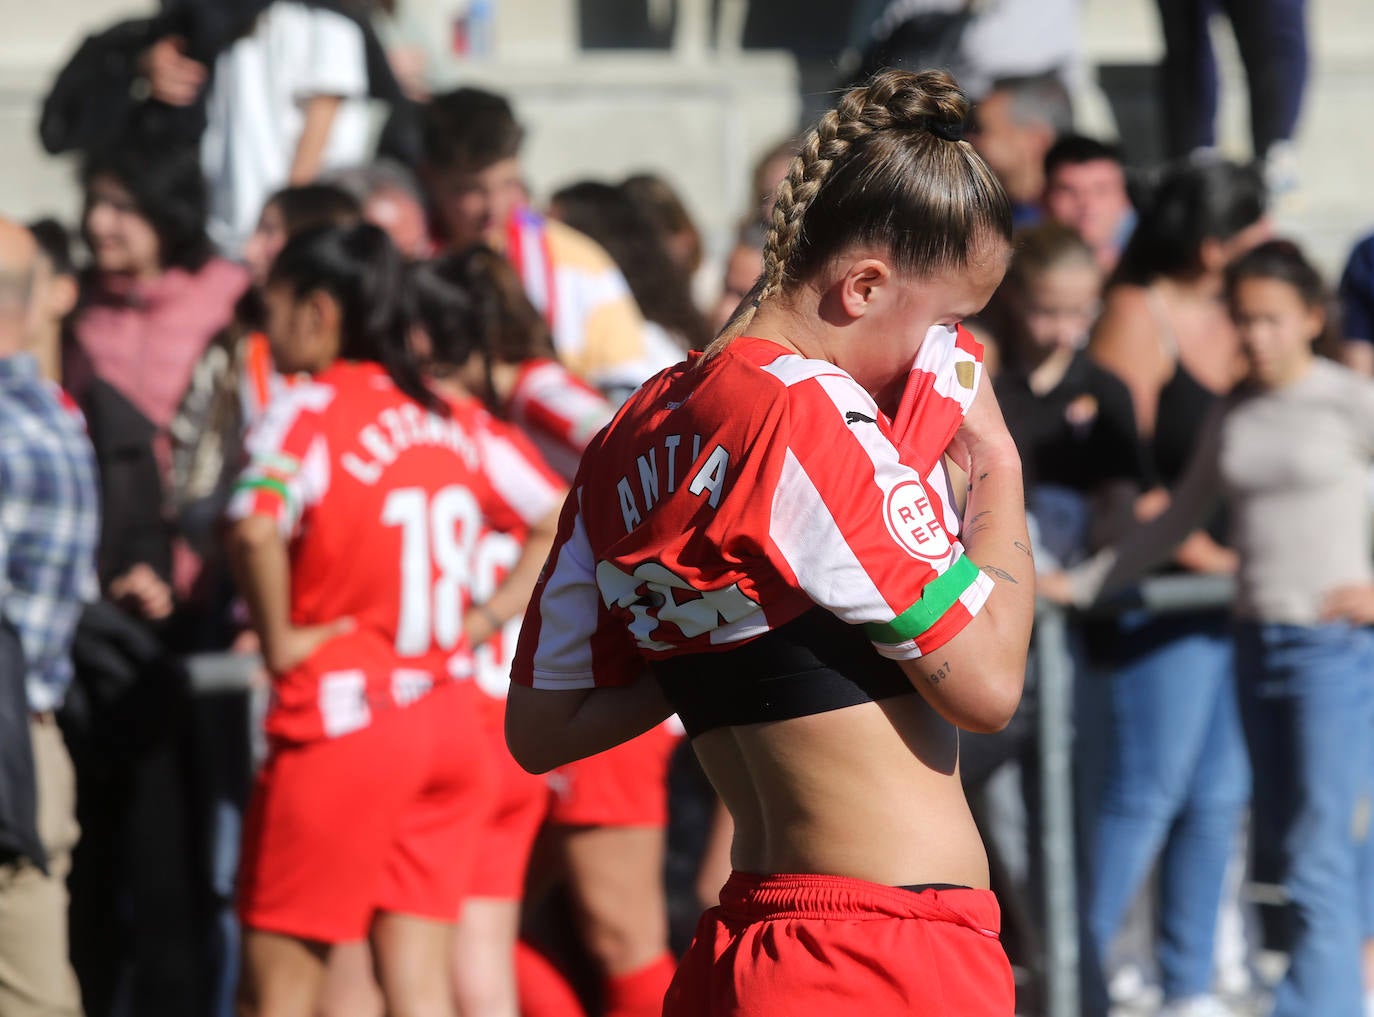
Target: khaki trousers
[36,977]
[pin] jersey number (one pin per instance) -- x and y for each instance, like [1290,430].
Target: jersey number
[439,529]
[655,594]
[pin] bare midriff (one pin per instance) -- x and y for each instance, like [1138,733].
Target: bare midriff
[869,792]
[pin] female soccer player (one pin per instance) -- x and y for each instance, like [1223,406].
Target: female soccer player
[764,540]
[354,534]
[609,811]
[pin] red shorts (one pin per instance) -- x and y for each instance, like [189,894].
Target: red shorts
[380,819]
[522,802]
[808,945]
[623,786]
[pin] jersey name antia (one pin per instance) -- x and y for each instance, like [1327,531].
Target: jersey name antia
[726,499]
[382,503]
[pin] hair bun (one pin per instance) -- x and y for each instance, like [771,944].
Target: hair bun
[949,130]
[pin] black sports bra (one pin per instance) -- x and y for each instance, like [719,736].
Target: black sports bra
[813,664]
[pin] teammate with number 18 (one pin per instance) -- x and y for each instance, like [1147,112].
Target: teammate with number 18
[764,539]
[354,533]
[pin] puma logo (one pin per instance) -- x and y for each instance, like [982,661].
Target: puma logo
[854,416]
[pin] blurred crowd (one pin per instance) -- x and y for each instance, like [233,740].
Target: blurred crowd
[224,147]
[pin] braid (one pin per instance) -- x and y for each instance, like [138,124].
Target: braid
[888,101]
[895,171]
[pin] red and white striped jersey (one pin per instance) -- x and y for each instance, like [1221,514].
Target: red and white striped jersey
[727,498]
[559,412]
[525,482]
[382,503]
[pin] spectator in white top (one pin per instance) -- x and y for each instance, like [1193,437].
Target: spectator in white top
[286,100]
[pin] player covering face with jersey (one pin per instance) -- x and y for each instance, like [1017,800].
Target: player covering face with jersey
[765,540]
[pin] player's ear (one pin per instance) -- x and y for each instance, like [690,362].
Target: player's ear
[862,284]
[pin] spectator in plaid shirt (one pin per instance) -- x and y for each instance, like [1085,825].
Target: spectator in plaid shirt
[49,521]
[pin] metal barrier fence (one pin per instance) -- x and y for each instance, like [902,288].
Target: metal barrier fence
[1160,595]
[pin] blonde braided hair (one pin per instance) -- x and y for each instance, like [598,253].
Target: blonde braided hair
[892,136]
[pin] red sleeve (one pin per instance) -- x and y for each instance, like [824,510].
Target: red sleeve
[288,460]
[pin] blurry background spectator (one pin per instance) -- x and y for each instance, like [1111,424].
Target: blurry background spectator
[49,517]
[1176,778]
[1016,122]
[1085,189]
[1272,38]
[665,206]
[629,234]
[472,174]
[390,198]
[1357,307]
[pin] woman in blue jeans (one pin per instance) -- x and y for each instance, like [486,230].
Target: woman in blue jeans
[1176,777]
[1290,451]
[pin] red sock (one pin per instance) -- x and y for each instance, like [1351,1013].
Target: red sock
[541,987]
[640,993]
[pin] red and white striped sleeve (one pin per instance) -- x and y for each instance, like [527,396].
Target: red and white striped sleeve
[938,393]
[558,411]
[569,640]
[288,460]
[862,533]
[525,489]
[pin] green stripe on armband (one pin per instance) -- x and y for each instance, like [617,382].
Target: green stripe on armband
[939,595]
[265,484]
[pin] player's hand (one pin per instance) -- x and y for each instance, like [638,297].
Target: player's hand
[173,77]
[479,626]
[983,433]
[1354,604]
[296,644]
[142,591]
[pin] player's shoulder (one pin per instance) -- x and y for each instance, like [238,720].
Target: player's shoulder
[811,389]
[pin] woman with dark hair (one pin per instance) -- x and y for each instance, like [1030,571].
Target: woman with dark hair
[353,538]
[1177,781]
[234,380]
[665,206]
[639,247]
[154,296]
[1289,451]
[764,541]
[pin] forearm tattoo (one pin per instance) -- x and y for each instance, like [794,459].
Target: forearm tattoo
[941,673]
[978,523]
[1001,574]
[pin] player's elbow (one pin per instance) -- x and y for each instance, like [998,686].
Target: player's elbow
[531,730]
[994,706]
[531,752]
[250,533]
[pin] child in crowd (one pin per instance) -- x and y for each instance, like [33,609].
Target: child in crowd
[1072,420]
[234,380]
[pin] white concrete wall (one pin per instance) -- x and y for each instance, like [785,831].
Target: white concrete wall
[702,122]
